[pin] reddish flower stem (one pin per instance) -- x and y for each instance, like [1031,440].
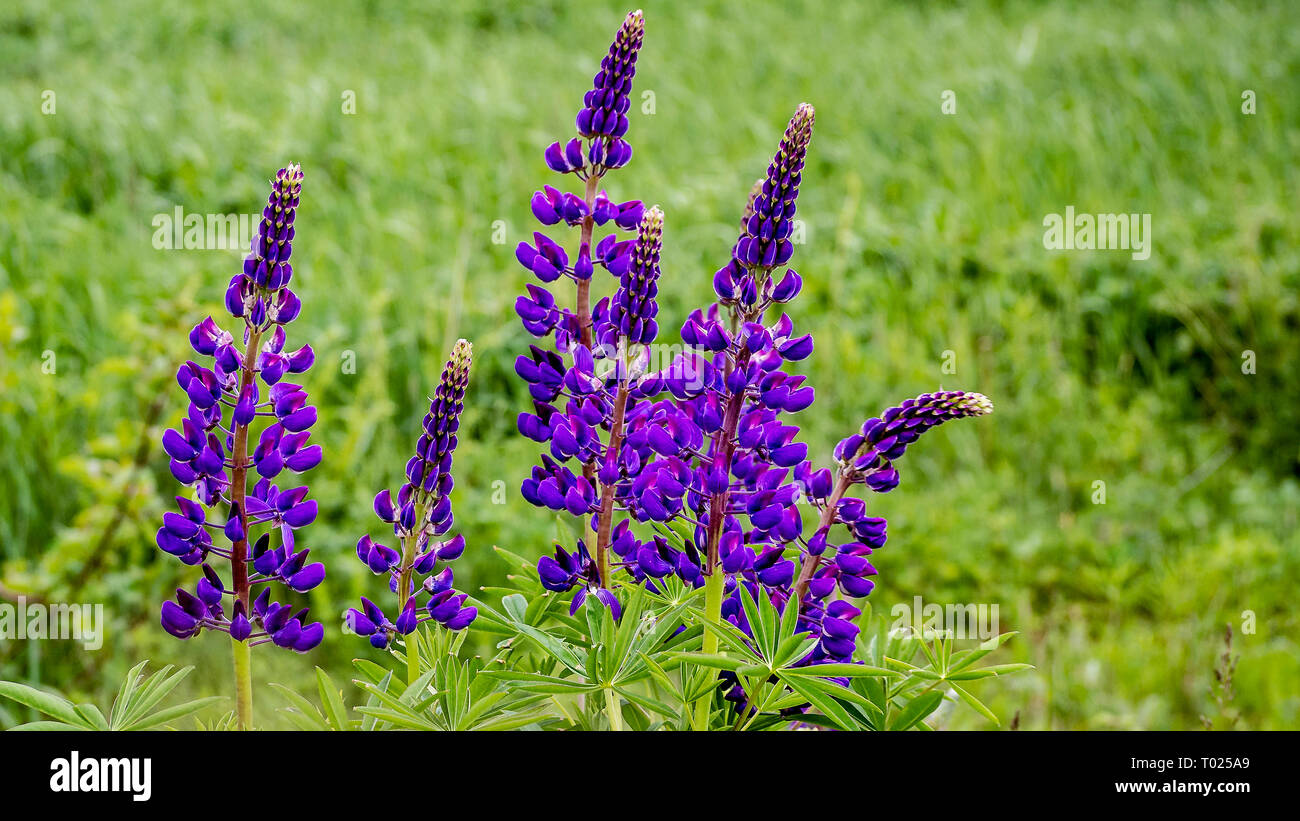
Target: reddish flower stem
[827,519]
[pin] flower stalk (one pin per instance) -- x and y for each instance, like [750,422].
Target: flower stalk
[419,514]
[210,452]
[243,662]
[706,441]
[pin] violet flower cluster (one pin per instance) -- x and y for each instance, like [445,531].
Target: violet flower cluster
[706,438]
[419,515]
[246,386]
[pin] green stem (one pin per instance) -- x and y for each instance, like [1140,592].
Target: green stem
[713,588]
[243,683]
[613,709]
[412,657]
[239,551]
[411,544]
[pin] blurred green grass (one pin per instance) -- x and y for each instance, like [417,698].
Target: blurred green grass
[924,236]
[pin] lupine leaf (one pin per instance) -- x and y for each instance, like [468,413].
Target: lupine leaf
[976,703]
[47,703]
[175,713]
[916,710]
[303,707]
[833,670]
[48,726]
[987,672]
[829,706]
[331,701]
[125,693]
[93,716]
[714,660]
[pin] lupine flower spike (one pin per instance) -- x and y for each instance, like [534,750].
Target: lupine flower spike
[707,439]
[420,516]
[586,338]
[214,450]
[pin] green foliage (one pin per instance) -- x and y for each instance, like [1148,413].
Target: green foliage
[646,670]
[137,706]
[924,236]
[450,694]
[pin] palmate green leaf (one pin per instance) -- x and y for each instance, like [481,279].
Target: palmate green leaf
[125,694]
[373,672]
[516,607]
[477,707]
[643,633]
[966,658]
[336,712]
[303,713]
[828,706]
[793,648]
[762,621]
[538,683]
[916,710]
[154,690]
[370,722]
[854,701]
[629,627]
[648,703]
[511,722]
[163,717]
[874,690]
[131,708]
[412,713]
[817,721]
[716,661]
[660,675]
[842,671]
[383,695]
[516,561]
[418,695]
[92,716]
[688,640]
[55,706]
[975,703]
[735,640]
[48,726]
[988,672]
[399,718]
[703,682]
[489,621]
[900,645]
[540,607]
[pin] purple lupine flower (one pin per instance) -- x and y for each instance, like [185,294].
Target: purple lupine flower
[632,314]
[603,119]
[868,455]
[707,439]
[210,451]
[599,148]
[587,390]
[765,237]
[420,515]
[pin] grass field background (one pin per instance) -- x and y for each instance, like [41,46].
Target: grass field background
[924,236]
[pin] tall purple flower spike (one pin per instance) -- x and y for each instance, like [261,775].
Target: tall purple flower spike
[586,384]
[706,439]
[210,453]
[419,516]
[633,311]
[603,118]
